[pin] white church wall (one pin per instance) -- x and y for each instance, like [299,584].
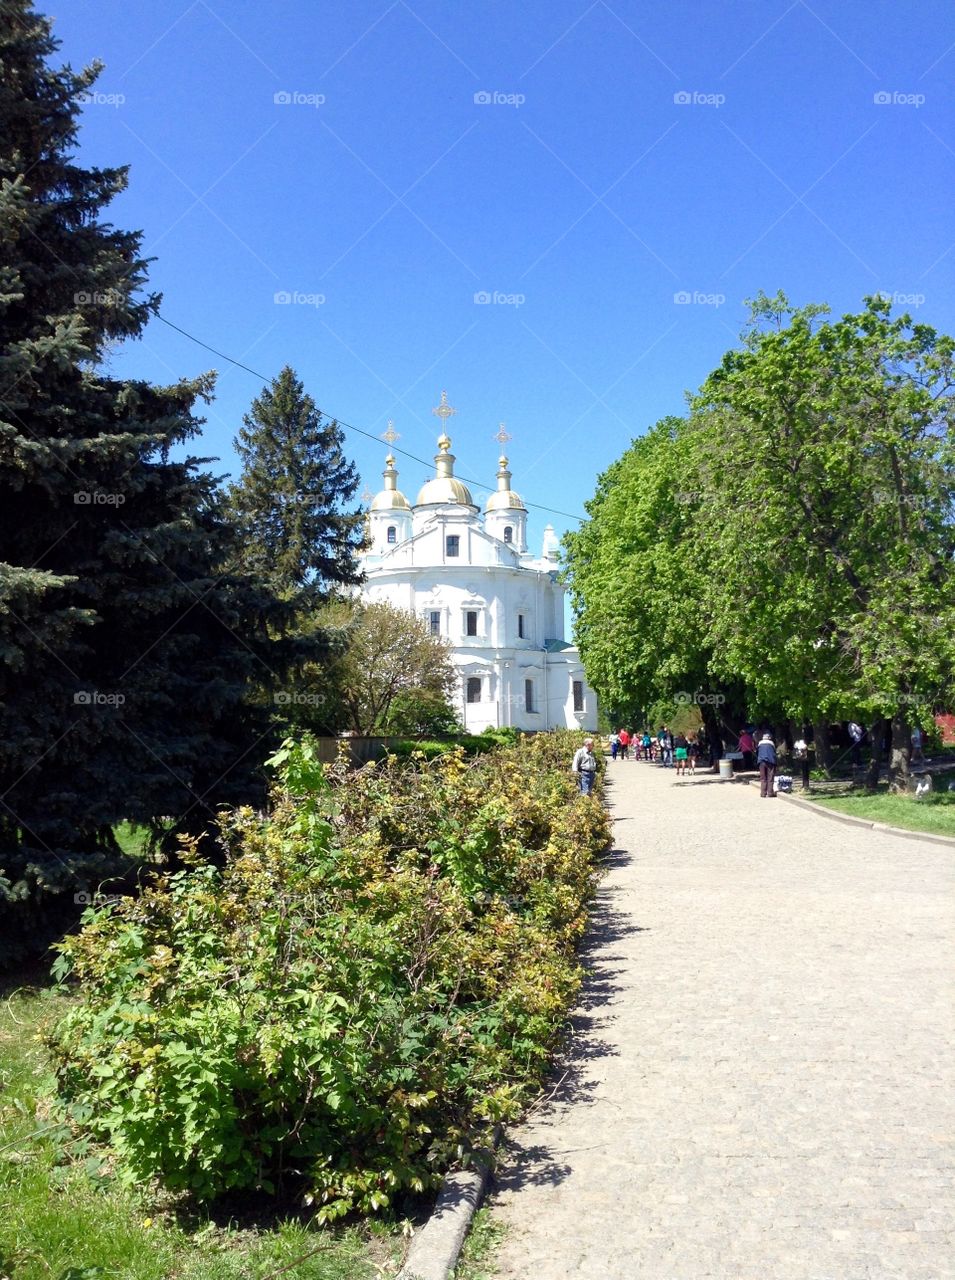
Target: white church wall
[497,582]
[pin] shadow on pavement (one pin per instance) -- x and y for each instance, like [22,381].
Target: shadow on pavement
[568,1084]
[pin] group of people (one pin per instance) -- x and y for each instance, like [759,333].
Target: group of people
[680,751]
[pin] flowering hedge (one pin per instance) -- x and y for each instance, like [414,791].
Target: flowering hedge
[379,971]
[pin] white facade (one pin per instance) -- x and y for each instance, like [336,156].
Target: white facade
[473,581]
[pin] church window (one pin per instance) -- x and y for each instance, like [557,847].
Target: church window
[452,544]
[529,697]
[508,533]
[474,688]
[470,622]
[521,629]
[578,695]
[434,622]
[392,534]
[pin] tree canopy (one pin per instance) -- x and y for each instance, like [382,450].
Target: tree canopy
[288,503]
[126,653]
[790,541]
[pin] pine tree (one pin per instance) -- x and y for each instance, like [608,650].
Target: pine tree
[288,502]
[125,653]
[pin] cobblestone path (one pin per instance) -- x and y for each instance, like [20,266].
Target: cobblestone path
[759,1085]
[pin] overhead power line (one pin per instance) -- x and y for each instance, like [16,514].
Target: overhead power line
[348,426]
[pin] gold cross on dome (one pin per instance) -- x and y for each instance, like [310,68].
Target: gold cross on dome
[444,410]
[367,495]
[502,437]
[391,435]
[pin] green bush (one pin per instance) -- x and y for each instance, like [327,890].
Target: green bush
[378,971]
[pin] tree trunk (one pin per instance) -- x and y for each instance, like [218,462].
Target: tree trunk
[820,734]
[876,734]
[713,736]
[899,754]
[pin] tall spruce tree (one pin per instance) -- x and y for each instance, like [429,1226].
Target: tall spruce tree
[288,504]
[125,654]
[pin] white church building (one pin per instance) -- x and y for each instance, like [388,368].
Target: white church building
[473,581]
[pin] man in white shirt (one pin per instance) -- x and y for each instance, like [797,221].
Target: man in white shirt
[585,766]
[856,734]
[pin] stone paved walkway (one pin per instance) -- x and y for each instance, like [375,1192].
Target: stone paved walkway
[760,1081]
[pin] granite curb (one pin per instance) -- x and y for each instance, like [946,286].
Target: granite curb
[435,1248]
[925,836]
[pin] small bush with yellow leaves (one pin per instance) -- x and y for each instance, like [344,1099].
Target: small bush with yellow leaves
[378,972]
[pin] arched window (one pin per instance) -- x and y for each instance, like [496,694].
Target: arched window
[508,533]
[474,689]
[392,534]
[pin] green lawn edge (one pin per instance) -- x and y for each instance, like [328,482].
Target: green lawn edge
[60,1219]
[936,818]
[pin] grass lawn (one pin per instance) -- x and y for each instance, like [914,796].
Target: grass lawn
[483,1240]
[935,814]
[64,1220]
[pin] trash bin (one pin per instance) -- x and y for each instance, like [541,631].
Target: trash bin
[726,770]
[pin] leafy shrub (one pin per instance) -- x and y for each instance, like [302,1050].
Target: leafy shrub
[378,970]
[430,748]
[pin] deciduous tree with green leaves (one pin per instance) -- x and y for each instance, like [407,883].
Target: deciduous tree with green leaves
[825,450]
[394,676]
[793,538]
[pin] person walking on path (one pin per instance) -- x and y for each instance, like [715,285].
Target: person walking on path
[680,752]
[585,766]
[624,744]
[614,744]
[856,734]
[693,753]
[665,739]
[646,742]
[747,745]
[766,760]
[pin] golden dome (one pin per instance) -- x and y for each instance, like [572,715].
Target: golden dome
[390,498]
[445,487]
[504,498]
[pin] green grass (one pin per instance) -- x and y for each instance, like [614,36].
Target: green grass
[64,1220]
[477,1257]
[936,814]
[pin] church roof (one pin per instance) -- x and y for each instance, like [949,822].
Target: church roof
[445,487]
[390,498]
[504,498]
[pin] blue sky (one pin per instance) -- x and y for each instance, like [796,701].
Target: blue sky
[553,209]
